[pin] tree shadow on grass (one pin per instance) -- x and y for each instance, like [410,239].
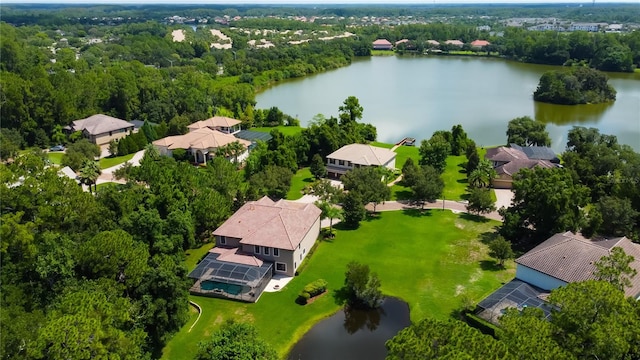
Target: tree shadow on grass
[308,180]
[403,194]
[488,237]
[474,218]
[417,213]
[490,265]
[462,181]
[345,227]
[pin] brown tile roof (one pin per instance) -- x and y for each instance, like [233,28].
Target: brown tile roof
[234,255]
[480,43]
[282,224]
[514,166]
[381,42]
[504,153]
[200,139]
[454,42]
[363,154]
[433,42]
[100,124]
[571,257]
[214,122]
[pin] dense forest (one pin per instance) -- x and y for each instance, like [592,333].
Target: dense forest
[87,276]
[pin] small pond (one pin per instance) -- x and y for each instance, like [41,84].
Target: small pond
[353,334]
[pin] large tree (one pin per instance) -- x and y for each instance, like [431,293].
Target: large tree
[318,168]
[615,268]
[78,152]
[235,341]
[362,286]
[500,249]
[427,186]
[350,111]
[367,183]
[480,201]
[545,201]
[525,131]
[595,321]
[434,152]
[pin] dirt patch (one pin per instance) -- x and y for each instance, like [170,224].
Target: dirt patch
[459,289]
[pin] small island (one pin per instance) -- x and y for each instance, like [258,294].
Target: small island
[580,85]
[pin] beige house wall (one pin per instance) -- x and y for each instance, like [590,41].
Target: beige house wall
[105,138]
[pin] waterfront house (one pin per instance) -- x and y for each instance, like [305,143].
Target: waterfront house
[223,124]
[457,43]
[262,238]
[507,161]
[354,156]
[478,44]
[382,44]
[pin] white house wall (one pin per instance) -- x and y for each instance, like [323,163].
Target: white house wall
[306,244]
[537,278]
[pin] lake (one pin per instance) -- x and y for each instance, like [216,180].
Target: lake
[353,335]
[415,96]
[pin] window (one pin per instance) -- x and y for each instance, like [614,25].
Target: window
[256,249]
[265,250]
[304,251]
[350,164]
[110,133]
[341,162]
[281,266]
[276,252]
[300,256]
[332,161]
[223,240]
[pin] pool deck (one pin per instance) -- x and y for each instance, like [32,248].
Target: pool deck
[277,282]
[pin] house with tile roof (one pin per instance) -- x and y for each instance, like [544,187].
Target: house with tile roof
[507,161]
[569,257]
[382,44]
[478,44]
[354,156]
[100,129]
[262,238]
[457,43]
[221,123]
[202,143]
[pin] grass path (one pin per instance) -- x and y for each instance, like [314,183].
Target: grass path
[430,259]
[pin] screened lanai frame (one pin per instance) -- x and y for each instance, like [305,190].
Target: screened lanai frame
[514,294]
[217,278]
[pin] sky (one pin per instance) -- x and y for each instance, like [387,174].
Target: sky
[263,2]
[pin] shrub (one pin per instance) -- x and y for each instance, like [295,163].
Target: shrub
[311,290]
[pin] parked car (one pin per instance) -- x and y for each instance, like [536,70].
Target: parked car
[57,148]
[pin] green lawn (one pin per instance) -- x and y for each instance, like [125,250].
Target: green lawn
[455,178]
[113,161]
[286,130]
[55,157]
[430,259]
[382,52]
[301,179]
[405,152]
[195,255]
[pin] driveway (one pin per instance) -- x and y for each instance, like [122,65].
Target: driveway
[504,197]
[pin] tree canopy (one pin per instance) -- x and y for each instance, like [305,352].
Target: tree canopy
[580,85]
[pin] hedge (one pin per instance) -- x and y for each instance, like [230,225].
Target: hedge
[312,289]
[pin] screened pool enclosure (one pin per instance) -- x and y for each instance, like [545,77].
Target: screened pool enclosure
[224,279]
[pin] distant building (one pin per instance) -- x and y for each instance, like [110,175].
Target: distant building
[457,43]
[433,43]
[403,41]
[382,44]
[483,28]
[479,43]
[591,27]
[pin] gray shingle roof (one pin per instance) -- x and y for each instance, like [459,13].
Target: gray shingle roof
[571,257]
[100,124]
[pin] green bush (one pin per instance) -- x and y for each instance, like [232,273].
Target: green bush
[311,290]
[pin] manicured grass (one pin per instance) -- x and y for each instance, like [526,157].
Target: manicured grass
[381,145]
[455,178]
[301,179]
[286,130]
[55,157]
[113,161]
[430,259]
[195,255]
[109,184]
[382,52]
[405,152]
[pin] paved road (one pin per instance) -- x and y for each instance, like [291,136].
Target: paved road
[449,205]
[107,174]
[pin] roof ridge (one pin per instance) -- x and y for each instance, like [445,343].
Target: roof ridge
[564,240]
[284,225]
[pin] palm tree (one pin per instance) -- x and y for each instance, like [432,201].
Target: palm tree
[90,172]
[331,212]
[235,149]
[477,178]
